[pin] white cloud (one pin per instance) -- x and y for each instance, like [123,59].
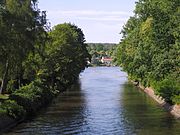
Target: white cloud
[98,26]
[89,12]
[92,15]
[103,18]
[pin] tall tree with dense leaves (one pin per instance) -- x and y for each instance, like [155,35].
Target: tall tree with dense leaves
[21,22]
[149,50]
[67,55]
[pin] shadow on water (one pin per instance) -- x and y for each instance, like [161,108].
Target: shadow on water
[64,116]
[144,115]
[103,103]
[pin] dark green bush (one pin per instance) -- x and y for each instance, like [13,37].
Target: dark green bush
[176,99]
[32,96]
[12,109]
[11,86]
[169,89]
[2,111]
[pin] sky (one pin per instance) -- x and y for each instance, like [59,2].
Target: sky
[100,20]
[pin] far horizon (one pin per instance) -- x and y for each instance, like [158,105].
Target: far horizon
[101,21]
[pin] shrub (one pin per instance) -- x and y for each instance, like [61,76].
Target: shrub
[12,109]
[11,86]
[32,96]
[169,89]
[2,111]
[176,99]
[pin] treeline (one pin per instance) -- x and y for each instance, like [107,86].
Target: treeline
[99,50]
[150,47]
[35,62]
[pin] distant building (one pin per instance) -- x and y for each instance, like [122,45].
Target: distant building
[106,61]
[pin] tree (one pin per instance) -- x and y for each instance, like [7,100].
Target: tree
[21,25]
[149,49]
[67,56]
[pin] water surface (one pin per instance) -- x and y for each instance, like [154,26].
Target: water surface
[102,103]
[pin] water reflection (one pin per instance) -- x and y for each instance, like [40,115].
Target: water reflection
[144,115]
[101,88]
[103,103]
[64,116]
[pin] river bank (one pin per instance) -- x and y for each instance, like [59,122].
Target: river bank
[21,108]
[173,109]
[103,102]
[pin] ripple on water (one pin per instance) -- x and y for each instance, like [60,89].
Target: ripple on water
[103,103]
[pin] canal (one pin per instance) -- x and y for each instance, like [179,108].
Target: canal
[102,103]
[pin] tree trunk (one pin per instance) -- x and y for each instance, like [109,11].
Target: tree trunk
[4,79]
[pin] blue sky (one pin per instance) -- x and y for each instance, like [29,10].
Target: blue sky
[100,20]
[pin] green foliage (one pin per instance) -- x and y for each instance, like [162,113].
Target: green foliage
[36,64]
[12,109]
[32,96]
[2,111]
[31,66]
[150,49]
[176,99]
[22,27]
[66,56]
[169,89]
[99,50]
[11,86]
[3,97]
